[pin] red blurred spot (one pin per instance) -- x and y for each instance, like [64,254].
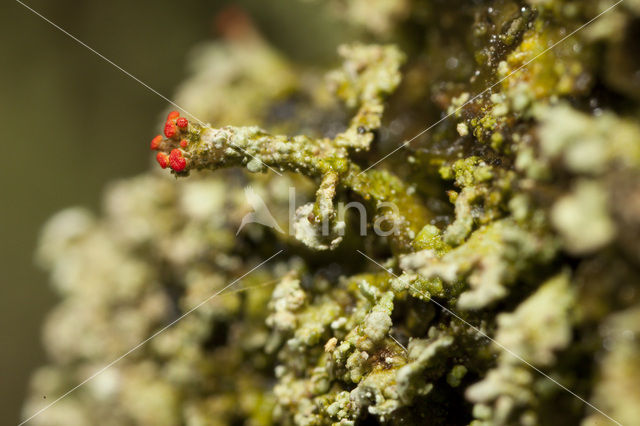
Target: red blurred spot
[234,23]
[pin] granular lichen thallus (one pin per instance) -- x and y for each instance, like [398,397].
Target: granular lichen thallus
[517,214]
[368,76]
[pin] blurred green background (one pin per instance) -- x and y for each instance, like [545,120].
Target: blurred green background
[71,123]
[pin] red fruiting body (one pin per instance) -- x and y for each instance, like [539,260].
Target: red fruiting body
[176,160]
[162,159]
[182,122]
[155,142]
[184,143]
[172,115]
[170,129]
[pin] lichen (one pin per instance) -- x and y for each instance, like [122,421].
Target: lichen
[508,293]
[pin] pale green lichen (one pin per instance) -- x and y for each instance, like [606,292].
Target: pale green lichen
[616,388]
[537,329]
[369,74]
[516,251]
[584,208]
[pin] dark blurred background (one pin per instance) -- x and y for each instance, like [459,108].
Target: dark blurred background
[72,122]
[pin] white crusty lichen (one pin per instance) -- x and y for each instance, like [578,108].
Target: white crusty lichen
[616,389]
[584,144]
[513,269]
[584,208]
[532,334]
